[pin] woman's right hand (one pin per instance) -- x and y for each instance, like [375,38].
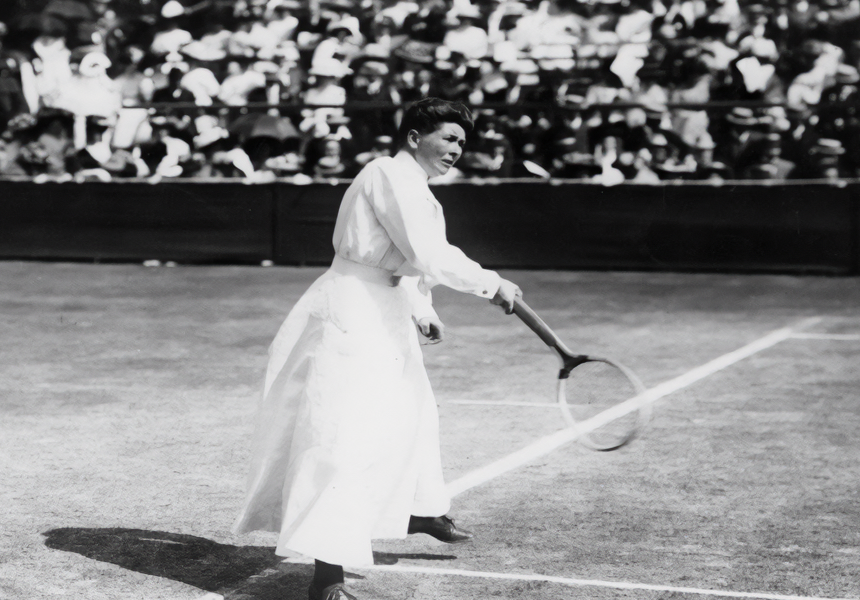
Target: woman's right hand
[508,293]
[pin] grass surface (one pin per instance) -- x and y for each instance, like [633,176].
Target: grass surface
[126,399]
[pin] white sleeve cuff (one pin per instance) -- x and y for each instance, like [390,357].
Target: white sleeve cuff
[491,281]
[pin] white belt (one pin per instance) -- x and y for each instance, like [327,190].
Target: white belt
[343,266]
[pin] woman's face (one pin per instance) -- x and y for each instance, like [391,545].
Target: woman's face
[438,150]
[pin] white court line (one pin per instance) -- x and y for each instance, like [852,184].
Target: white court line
[826,336]
[571,581]
[621,585]
[503,403]
[547,444]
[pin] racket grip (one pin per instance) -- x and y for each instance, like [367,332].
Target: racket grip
[536,324]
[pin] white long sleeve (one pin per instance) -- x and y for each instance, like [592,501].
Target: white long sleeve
[390,219]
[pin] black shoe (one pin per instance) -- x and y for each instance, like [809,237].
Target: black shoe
[442,528]
[333,592]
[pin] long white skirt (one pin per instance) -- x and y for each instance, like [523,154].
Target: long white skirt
[346,445]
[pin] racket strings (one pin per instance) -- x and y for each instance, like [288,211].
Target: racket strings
[592,389]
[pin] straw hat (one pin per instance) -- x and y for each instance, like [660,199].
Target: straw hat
[172,9]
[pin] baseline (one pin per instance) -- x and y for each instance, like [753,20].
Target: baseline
[571,581]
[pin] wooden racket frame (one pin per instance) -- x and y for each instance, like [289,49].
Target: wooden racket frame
[569,361]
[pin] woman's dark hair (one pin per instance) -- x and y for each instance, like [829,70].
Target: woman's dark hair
[425,115]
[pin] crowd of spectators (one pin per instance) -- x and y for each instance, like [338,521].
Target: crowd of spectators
[605,90]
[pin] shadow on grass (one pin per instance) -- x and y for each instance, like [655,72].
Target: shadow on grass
[236,572]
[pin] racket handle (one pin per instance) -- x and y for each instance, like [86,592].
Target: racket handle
[536,324]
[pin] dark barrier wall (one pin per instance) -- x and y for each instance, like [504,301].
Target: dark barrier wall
[737,227]
[186,222]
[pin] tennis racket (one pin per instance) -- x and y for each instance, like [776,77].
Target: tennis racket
[591,390]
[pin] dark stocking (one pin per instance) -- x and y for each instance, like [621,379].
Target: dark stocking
[326,574]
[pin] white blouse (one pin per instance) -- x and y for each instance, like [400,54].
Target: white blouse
[389,219]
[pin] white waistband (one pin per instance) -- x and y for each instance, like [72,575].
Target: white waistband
[343,266]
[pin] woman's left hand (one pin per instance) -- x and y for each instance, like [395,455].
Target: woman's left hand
[432,329]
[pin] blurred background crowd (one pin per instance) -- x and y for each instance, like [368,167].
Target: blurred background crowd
[605,90]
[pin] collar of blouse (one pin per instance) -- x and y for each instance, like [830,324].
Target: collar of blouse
[408,161]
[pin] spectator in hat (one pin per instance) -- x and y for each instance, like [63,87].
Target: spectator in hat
[570,163]
[90,91]
[287,83]
[807,87]
[343,42]
[552,22]
[239,84]
[635,131]
[742,128]
[171,37]
[242,43]
[10,149]
[53,68]
[201,83]
[693,86]
[835,20]
[703,154]
[404,85]
[491,154]
[725,12]
[210,49]
[429,23]
[661,155]
[467,37]
[716,53]
[50,141]
[606,88]
[280,20]
[12,141]
[839,115]
[135,84]
[825,159]
[396,12]
[98,160]
[166,150]
[12,99]
[219,155]
[173,90]
[606,155]
[523,78]
[457,80]
[371,83]
[383,145]
[260,150]
[210,138]
[767,161]
[258,37]
[502,19]
[634,24]
[290,163]
[420,82]
[325,159]
[325,91]
[642,171]
[754,78]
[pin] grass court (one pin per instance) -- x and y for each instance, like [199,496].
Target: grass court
[127,395]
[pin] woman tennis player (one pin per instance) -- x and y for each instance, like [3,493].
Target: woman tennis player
[346,447]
